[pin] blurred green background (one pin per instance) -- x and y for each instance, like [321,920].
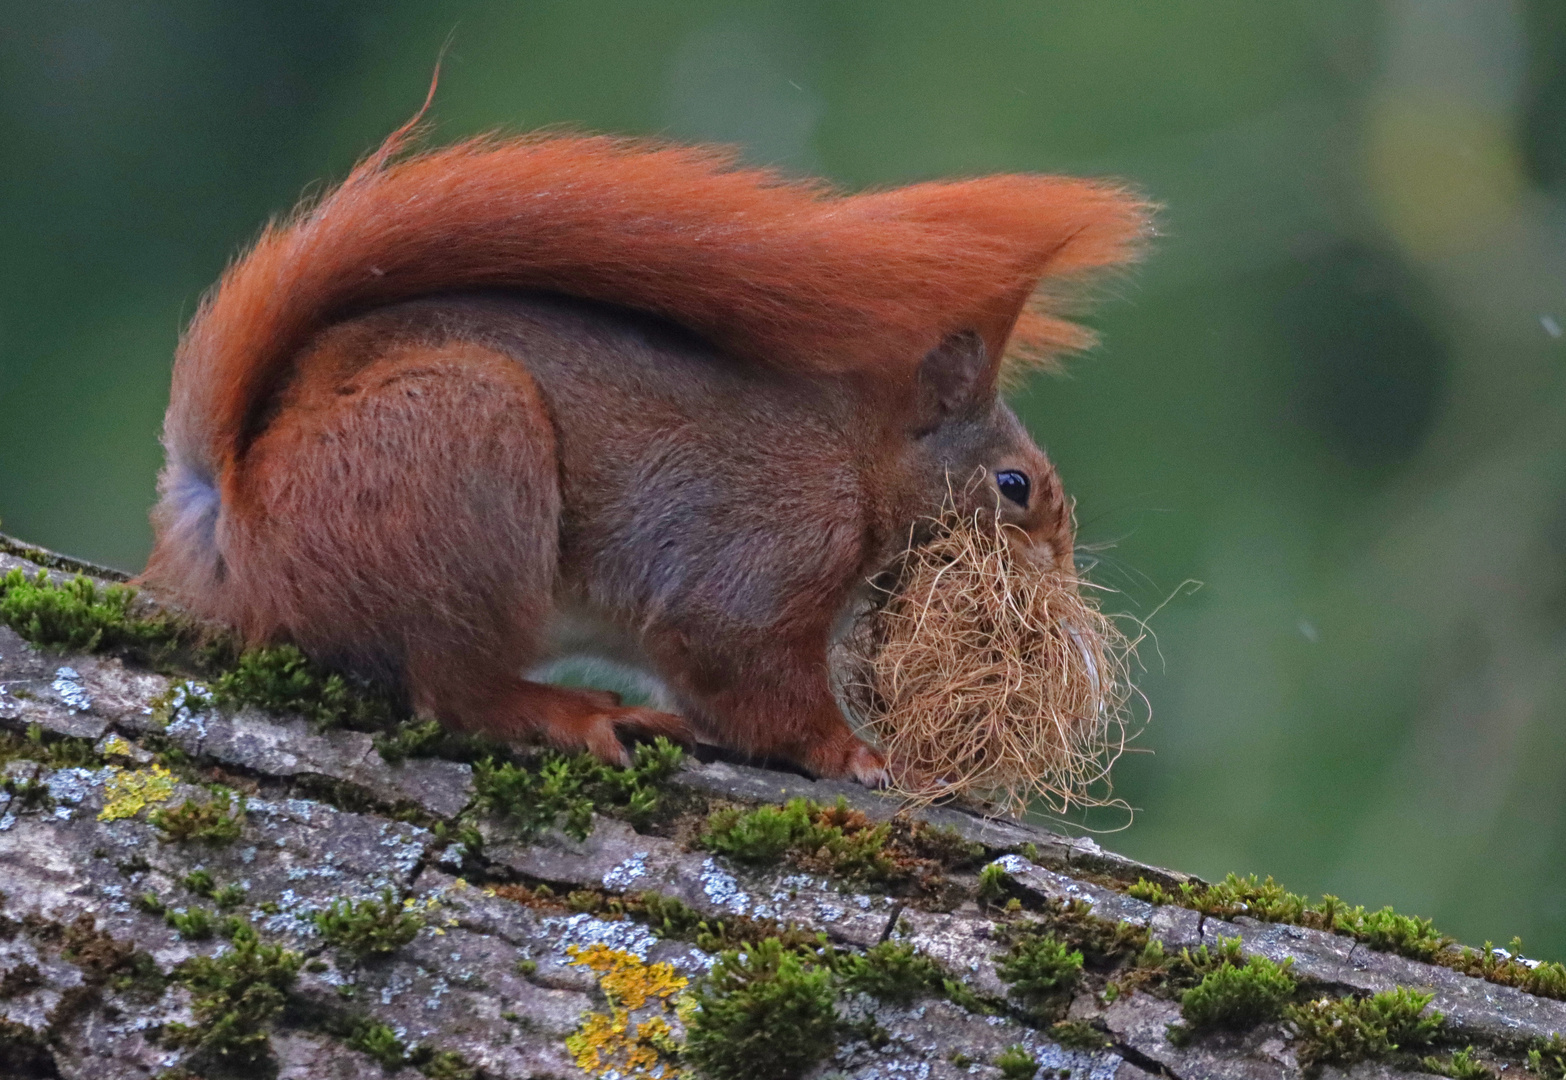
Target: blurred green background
[1335,395]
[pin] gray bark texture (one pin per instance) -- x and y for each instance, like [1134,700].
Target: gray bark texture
[490,981]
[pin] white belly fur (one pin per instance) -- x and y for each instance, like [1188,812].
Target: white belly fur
[583,648]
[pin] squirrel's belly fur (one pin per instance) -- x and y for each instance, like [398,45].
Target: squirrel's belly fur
[473,391]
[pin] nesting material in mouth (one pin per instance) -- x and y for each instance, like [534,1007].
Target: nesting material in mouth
[984,673]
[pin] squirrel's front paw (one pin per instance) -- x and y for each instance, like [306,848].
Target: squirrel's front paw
[868,766]
[852,759]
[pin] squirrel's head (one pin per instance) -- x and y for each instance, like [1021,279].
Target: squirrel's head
[973,451]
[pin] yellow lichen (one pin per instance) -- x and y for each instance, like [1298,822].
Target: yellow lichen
[625,980]
[596,1036]
[615,1043]
[127,793]
[116,746]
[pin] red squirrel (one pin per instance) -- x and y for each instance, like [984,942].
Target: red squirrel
[480,398]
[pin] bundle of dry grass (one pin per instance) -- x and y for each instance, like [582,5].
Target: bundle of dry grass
[982,673]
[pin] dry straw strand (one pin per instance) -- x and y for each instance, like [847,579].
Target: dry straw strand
[986,672]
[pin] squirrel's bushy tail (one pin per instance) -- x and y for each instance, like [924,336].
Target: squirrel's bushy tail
[782,273]
[775,272]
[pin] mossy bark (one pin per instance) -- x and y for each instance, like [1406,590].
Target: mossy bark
[351,902]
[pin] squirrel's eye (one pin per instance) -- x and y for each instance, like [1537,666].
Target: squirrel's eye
[1014,485]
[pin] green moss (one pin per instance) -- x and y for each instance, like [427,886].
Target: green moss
[1462,1065]
[561,790]
[192,924]
[53,560]
[181,696]
[1548,1059]
[1104,943]
[744,1003]
[204,885]
[1015,1063]
[77,614]
[1342,1031]
[413,739]
[80,615]
[671,918]
[368,928]
[199,882]
[1188,967]
[664,918]
[963,996]
[891,971]
[1234,895]
[1547,979]
[945,845]
[442,1064]
[828,839]
[230,896]
[761,835]
[380,1042]
[282,679]
[1153,956]
[993,881]
[1040,971]
[1078,1035]
[235,998]
[55,752]
[66,752]
[1154,969]
[1151,891]
[1388,931]
[216,822]
[1384,929]
[1239,996]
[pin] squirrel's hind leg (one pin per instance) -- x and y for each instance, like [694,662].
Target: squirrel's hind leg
[410,520]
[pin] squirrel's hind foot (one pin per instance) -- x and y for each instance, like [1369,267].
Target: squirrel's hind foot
[604,734]
[577,719]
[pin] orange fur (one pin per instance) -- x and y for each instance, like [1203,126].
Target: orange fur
[779,273]
[476,393]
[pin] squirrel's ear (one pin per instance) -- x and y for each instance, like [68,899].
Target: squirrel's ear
[955,378]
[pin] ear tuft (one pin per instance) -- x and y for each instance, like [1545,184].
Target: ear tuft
[956,377]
